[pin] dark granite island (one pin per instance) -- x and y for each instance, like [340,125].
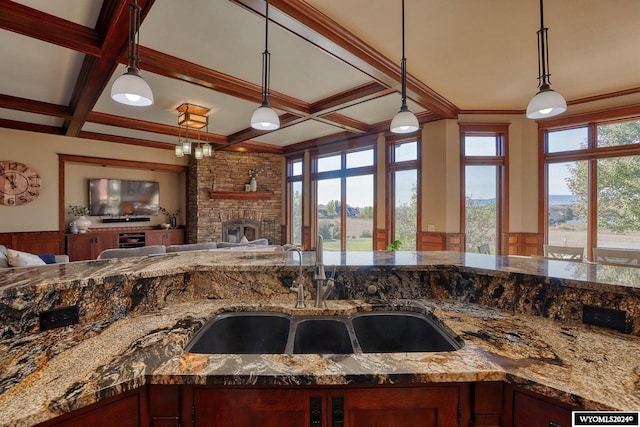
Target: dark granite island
[519,319]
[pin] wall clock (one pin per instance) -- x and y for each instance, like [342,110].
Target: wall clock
[19,183]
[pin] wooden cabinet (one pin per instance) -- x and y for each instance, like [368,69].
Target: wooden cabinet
[428,406]
[89,245]
[391,407]
[249,407]
[123,410]
[165,237]
[526,409]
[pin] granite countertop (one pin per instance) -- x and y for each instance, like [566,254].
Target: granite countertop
[71,367]
[137,314]
[25,280]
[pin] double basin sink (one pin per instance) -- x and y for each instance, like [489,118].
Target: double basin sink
[281,333]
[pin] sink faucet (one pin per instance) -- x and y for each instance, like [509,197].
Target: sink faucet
[300,288]
[324,286]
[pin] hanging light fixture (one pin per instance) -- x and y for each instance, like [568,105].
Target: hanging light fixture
[192,117]
[265,118]
[547,102]
[404,121]
[130,88]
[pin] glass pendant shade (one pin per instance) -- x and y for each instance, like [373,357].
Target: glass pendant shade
[179,152]
[206,150]
[546,103]
[265,118]
[404,122]
[131,89]
[186,147]
[198,153]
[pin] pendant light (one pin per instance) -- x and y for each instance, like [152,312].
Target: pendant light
[547,102]
[265,118]
[130,88]
[193,117]
[404,121]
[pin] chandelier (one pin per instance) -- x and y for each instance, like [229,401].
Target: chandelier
[193,117]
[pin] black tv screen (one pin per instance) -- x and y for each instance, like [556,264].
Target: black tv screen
[120,197]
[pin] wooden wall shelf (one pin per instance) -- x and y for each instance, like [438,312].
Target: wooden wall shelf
[240,195]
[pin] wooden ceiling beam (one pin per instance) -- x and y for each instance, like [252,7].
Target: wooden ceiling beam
[176,68]
[146,126]
[48,28]
[344,122]
[96,72]
[125,140]
[286,120]
[350,97]
[305,21]
[31,127]
[37,107]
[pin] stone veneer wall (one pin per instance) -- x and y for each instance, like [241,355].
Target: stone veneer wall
[229,171]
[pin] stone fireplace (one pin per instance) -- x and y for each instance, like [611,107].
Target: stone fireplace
[237,224]
[230,215]
[233,231]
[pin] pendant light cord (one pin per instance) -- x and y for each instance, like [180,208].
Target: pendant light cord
[544,77]
[266,60]
[403,66]
[134,23]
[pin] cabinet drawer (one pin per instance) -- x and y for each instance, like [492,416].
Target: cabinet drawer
[529,411]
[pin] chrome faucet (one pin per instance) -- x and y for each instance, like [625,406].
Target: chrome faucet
[300,288]
[324,286]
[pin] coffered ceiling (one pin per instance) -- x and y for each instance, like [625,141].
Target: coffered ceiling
[335,63]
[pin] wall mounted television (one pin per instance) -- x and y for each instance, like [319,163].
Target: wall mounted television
[120,197]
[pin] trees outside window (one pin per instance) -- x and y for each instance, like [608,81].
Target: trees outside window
[601,178]
[345,199]
[484,181]
[404,201]
[294,200]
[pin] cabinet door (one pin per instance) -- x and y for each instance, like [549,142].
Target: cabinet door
[79,247]
[85,246]
[124,410]
[102,242]
[396,407]
[174,237]
[155,237]
[529,411]
[251,407]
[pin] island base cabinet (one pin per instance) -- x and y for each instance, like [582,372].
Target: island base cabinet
[123,410]
[420,407]
[436,406]
[251,407]
[527,409]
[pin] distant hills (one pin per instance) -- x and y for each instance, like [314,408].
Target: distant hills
[561,199]
[554,199]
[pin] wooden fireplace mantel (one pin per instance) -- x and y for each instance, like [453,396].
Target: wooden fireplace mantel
[240,195]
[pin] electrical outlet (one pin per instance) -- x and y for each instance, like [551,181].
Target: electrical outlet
[59,317]
[605,317]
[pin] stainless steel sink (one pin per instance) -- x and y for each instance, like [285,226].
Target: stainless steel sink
[279,333]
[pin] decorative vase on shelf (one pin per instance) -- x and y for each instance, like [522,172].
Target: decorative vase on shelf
[253,184]
[83,224]
[73,227]
[173,221]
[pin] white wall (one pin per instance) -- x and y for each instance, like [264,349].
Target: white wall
[41,152]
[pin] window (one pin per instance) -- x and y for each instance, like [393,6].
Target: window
[294,200]
[345,199]
[403,170]
[592,185]
[484,184]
